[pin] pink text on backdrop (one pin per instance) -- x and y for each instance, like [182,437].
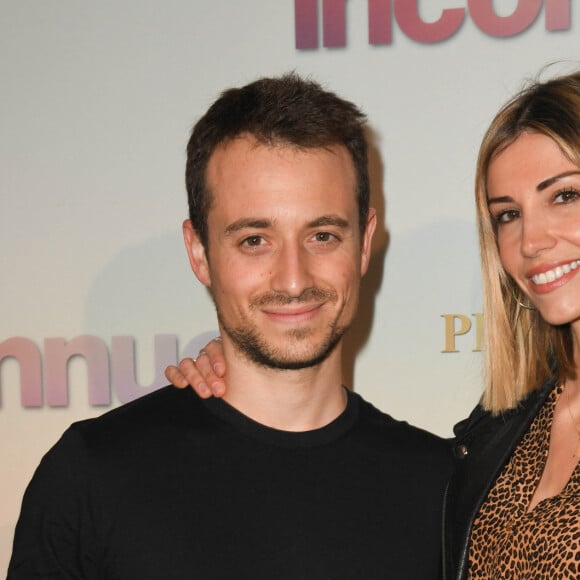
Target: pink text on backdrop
[406,14]
[46,382]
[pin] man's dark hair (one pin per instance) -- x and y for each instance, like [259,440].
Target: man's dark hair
[282,110]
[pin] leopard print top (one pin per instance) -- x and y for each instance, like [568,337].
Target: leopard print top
[508,542]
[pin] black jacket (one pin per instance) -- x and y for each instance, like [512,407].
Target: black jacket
[483,445]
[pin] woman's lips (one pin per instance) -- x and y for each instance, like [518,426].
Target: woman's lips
[548,277]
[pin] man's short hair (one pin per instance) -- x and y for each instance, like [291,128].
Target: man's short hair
[286,110]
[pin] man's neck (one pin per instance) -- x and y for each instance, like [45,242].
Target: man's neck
[289,400]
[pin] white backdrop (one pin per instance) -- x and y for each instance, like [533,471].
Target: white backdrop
[97,101]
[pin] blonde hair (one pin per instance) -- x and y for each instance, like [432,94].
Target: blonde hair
[522,350]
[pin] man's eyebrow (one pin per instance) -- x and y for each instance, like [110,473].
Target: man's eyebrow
[244,223]
[546,183]
[260,223]
[329,220]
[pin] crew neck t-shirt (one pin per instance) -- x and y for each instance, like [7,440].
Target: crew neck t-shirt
[172,487]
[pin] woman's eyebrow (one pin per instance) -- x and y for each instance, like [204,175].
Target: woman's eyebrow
[546,183]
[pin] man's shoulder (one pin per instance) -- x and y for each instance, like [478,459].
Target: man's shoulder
[400,435]
[150,416]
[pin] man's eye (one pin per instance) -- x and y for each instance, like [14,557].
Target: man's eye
[324,237]
[253,241]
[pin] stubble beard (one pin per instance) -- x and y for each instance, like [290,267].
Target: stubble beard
[248,340]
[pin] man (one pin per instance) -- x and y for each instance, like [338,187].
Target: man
[290,475]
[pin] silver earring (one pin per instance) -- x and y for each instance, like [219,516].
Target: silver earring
[528,306]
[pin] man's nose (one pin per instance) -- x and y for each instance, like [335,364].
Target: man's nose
[292,273]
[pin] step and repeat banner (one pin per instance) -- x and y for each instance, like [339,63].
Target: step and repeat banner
[98,99]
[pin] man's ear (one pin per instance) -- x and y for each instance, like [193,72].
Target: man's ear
[367,240]
[196,253]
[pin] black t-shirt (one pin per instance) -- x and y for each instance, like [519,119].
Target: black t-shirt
[170,487]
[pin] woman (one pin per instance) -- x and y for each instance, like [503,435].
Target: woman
[513,506]
[512,509]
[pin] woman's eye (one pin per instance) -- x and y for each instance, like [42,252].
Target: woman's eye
[506,216]
[566,196]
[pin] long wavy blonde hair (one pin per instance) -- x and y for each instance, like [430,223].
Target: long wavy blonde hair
[522,350]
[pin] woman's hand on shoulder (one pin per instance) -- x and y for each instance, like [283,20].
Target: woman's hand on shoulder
[205,374]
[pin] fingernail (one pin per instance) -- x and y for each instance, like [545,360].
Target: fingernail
[218,368]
